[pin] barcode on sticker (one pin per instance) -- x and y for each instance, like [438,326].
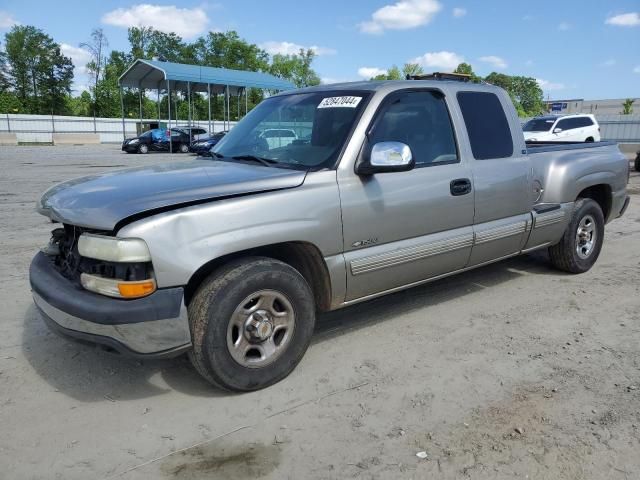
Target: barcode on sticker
[334,102]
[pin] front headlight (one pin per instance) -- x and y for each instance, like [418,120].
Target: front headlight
[113,249]
[135,140]
[112,287]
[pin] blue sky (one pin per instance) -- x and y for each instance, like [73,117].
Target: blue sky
[577,49]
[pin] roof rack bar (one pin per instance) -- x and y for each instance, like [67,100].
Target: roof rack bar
[459,77]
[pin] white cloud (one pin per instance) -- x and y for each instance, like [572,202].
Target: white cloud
[546,85]
[459,12]
[637,69]
[288,48]
[608,63]
[369,72]
[79,56]
[402,15]
[564,26]
[443,60]
[7,20]
[625,20]
[186,22]
[495,62]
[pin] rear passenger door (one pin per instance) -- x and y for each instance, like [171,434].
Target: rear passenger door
[403,227]
[502,176]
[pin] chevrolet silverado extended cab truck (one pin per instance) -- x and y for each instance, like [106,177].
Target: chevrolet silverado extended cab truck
[386,185]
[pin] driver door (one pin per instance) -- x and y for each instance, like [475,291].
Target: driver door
[404,227]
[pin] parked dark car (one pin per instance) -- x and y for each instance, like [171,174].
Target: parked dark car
[636,164]
[203,147]
[158,140]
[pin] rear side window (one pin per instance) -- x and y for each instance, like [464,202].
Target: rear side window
[585,121]
[487,125]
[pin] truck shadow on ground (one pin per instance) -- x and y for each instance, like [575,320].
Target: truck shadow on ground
[89,374]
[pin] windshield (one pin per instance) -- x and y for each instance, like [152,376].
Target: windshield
[539,125]
[303,130]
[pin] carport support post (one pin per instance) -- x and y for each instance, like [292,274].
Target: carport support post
[140,100]
[246,102]
[209,106]
[228,107]
[169,111]
[189,108]
[124,134]
[158,102]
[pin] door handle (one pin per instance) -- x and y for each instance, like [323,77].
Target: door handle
[460,186]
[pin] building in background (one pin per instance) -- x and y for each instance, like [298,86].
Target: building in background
[597,107]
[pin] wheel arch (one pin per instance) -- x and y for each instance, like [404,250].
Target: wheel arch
[305,257]
[602,194]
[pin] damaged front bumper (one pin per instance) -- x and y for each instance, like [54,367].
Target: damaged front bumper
[154,326]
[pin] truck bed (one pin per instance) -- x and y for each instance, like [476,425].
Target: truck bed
[539,147]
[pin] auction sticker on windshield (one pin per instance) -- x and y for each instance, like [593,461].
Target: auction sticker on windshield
[335,102]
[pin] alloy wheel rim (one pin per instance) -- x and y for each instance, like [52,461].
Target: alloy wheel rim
[586,236]
[260,329]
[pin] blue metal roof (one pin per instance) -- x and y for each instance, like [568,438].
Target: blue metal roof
[153,74]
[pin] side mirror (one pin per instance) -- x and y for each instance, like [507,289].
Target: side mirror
[387,157]
[557,130]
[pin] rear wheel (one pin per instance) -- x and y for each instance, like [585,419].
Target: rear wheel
[143,148]
[251,323]
[184,148]
[581,243]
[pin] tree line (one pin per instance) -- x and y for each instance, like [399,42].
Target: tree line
[526,94]
[36,78]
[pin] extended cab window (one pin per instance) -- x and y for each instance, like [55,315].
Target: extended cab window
[420,120]
[487,125]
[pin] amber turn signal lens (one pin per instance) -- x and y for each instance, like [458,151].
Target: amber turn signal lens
[136,289]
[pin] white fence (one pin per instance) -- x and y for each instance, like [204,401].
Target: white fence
[40,128]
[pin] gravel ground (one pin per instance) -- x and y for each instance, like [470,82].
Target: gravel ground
[510,371]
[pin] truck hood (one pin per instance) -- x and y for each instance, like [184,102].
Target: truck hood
[102,201]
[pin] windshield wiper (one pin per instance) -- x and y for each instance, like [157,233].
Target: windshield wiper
[267,162]
[216,154]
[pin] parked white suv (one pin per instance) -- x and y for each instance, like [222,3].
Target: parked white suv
[567,128]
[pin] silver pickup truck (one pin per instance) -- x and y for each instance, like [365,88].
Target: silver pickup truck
[386,185]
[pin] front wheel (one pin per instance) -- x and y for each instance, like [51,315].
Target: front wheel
[143,148]
[581,243]
[251,323]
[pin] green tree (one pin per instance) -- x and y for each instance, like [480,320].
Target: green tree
[465,69]
[228,50]
[392,74]
[627,106]
[40,75]
[97,47]
[411,69]
[296,68]
[525,92]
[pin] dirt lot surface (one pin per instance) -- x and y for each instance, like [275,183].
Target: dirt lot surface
[510,371]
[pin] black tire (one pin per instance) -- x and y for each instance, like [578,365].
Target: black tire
[589,140]
[183,148]
[210,317]
[636,164]
[564,255]
[143,148]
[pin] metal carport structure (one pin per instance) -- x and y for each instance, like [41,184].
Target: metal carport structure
[159,75]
